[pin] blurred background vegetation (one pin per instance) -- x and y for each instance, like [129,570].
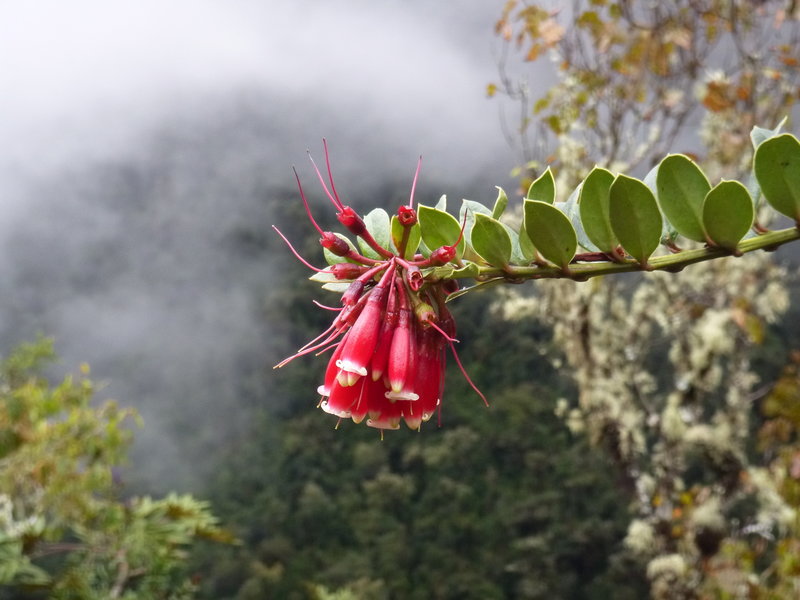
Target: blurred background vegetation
[643,432]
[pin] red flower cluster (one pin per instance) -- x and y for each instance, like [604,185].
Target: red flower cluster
[390,336]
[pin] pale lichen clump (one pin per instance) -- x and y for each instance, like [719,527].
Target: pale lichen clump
[666,385]
[641,539]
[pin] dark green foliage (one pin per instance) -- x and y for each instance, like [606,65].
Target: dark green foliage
[500,502]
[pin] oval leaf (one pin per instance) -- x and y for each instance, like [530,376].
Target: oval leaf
[439,228]
[551,232]
[572,210]
[491,241]
[777,168]
[594,211]
[681,188]
[728,213]
[377,222]
[635,218]
[544,188]
[500,204]
[470,208]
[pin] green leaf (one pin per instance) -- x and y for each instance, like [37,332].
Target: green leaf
[572,210]
[339,287]
[594,210]
[551,232]
[491,240]
[777,168]
[526,247]
[518,254]
[635,218]
[728,213]
[500,204]
[470,269]
[543,188]
[681,188]
[332,258]
[325,277]
[470,208]
[377,222]
[759,135]
[414,237]
[442,203]
[439,229]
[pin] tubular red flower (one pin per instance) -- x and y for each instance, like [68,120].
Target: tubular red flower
[381,356]
[407,216]
[397,329]
[364,333]
[400,364]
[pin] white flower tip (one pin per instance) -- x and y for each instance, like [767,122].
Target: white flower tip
[350,367]
[401,395]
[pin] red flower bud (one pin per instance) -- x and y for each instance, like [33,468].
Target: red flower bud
[407,216]
[350,219]
[334,243]
[347,270]
[442,255]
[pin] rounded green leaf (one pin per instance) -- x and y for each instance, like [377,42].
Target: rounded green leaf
[681,188]
[491,240]
[439,228]
[593,206]
[500,204]
[466,215]
[377,222]
[551,232]
[777,168]
[544,188]
[635,218]
[728,213]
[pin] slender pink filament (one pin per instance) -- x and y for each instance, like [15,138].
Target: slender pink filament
[305,203]
[337,204]
[330,173]
[440,330]
[414,183]
[300,258]
[323,306]
[464,373]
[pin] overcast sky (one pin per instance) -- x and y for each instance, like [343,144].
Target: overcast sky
[138,139]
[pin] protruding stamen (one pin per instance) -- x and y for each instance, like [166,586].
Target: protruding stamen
[440,330]
[464,373]
[335,201]
[330,173]
[305,204]
[414,183]
[300,258]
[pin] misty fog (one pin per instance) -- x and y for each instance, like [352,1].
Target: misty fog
[144,144]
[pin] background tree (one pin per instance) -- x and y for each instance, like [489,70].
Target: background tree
[630,76]
[64,531]
[634,77]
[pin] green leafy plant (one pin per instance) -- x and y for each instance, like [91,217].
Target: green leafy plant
[389,338]
[64,530]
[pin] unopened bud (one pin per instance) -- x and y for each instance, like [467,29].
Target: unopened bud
[347,270]
[407,216]
[425,313]
[350,219]
[443,255]
[353,293]
[334,243]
